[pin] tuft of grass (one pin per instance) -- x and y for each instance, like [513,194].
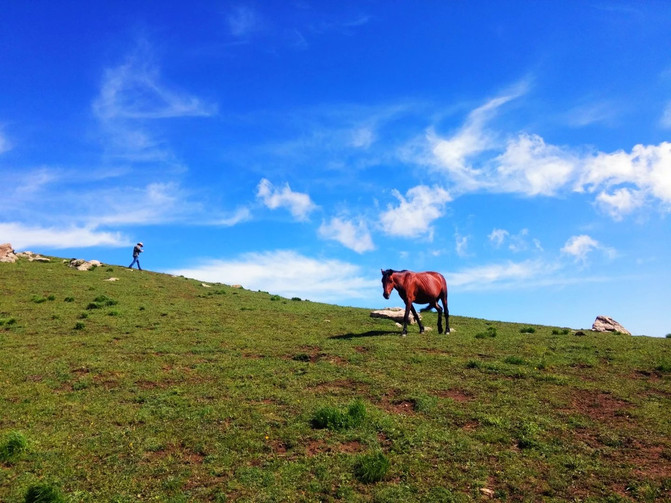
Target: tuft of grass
[12,446]
[527,330]
[44,493]
[664,366]
[7,321]
[105,301]
[38,299]
[371,468]
[69,299]
[331,418]
[79,326]
[515,360]
[490,333]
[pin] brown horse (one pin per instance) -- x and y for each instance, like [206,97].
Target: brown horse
[420,288]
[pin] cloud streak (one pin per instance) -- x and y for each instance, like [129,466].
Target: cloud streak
[22,236]
[287,273]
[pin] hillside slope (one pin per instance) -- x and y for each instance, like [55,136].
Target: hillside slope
[158,388]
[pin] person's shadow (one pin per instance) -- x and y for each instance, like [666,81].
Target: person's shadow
[370,333]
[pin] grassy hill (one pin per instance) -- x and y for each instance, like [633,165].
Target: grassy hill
[157,388]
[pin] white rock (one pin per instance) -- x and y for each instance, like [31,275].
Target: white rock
[608,324]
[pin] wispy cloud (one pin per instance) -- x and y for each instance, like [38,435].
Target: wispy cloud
[243,20]
[24,236]
[5,144]
[518,242]
[415,212]
[498,236]
[353,235]
[461,245]
[287,273]
[133,93]
[156,203]
[238,216]
[299,204]
[455,154]
[592,113]
[136,90]
[580,247]
[503,275]
[666,116]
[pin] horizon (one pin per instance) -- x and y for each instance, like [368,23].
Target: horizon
[522,149]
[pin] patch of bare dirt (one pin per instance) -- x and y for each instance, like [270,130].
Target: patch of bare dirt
[456,394]
[337,387]
[600,406]
[320,446]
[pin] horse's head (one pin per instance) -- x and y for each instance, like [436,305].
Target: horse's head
[387,282]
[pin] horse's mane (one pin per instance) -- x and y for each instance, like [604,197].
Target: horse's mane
[392,271]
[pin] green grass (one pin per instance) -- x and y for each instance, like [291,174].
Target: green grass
[170,391]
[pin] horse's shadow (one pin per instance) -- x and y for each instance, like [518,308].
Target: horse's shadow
[370,333]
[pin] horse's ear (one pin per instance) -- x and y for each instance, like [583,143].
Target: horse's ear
[382,271]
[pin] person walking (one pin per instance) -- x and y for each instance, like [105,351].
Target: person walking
[136,256]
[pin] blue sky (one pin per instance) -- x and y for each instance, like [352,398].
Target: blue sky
[520,148]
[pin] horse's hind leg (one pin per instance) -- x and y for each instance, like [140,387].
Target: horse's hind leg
[447,313]
[440,317]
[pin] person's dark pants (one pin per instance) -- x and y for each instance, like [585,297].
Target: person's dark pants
[136,260]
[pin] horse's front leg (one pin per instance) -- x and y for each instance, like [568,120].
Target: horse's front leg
[419,322]
[408,306]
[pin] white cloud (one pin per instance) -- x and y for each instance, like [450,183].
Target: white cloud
[620,202]
[498,236]
[454,155]
[526,164]
[299,204]
[354,236]
[23,237]
[580,247]
[508,274]
[530,166]
[646,167]
[289,274]
[415,212]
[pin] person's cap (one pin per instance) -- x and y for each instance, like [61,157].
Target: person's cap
[140,244]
